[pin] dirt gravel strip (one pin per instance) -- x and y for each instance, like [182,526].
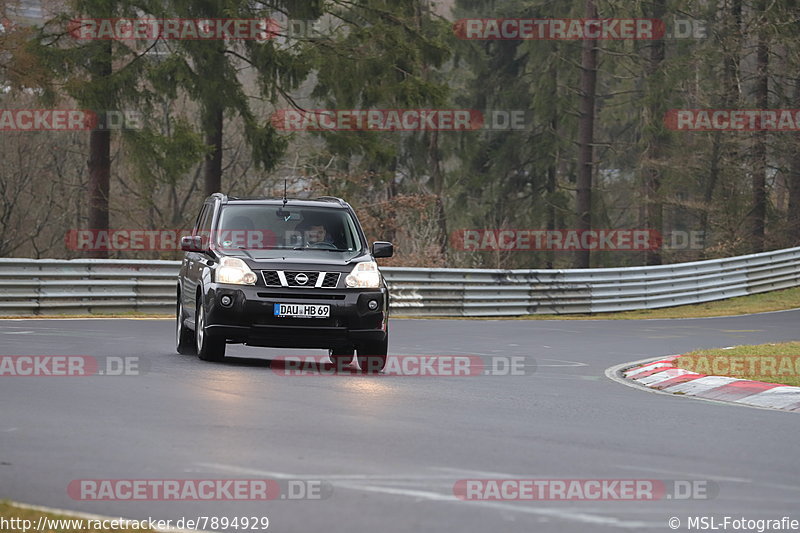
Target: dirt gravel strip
[89,516]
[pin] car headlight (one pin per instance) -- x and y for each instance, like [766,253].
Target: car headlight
[235,271]
[364,275]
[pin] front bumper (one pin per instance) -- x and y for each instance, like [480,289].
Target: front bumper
[249,319]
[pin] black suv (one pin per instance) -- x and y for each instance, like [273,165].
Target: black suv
[282,273]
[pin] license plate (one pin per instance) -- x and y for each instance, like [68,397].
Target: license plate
[303,310]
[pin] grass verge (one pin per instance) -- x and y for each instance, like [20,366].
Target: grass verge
[742,305]
[773,363]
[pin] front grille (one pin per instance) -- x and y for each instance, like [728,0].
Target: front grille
[271,278]
[289,278]
[331,280]
[309,277]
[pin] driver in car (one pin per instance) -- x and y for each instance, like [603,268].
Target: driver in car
[318,233]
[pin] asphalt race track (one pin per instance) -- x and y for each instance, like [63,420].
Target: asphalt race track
[392,447]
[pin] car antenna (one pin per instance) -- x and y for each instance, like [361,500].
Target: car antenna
[284,193]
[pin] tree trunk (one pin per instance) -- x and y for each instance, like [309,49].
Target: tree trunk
[99,162]
[552,168]
[759,210]
[793,214]
[437,175]
[551,208]
[212,169]
[655,137]
[586,137]
[710,185]
[730,100]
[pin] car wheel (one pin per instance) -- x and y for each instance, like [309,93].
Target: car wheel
[372,355]
[209,347]
[341,357]
[184,337]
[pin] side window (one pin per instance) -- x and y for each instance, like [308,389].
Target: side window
[203,227]
[196,229]
[205,222]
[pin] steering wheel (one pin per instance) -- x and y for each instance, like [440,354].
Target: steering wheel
[322,244]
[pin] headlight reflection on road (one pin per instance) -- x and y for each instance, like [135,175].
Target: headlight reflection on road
[376,391]
[227,390]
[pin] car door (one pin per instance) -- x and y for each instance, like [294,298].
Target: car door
[193,261]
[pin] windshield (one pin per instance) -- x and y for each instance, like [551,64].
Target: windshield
[262,227]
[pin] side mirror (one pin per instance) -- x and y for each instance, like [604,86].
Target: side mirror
[382,249]
[192,243]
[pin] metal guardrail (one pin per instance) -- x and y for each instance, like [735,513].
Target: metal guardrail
[49,286]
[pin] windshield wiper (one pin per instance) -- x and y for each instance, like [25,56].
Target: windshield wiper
[321,249]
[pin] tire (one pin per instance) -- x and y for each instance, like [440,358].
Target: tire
[341,357]
[372,356]
[184,337]
[209,348]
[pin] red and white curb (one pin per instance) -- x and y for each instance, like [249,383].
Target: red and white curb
[662,375]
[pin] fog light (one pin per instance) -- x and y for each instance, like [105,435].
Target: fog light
[226,300]
[373,304]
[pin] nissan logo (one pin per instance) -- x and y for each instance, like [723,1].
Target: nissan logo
[301,279]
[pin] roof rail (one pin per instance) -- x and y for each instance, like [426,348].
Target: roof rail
[332,198]
[221,196]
